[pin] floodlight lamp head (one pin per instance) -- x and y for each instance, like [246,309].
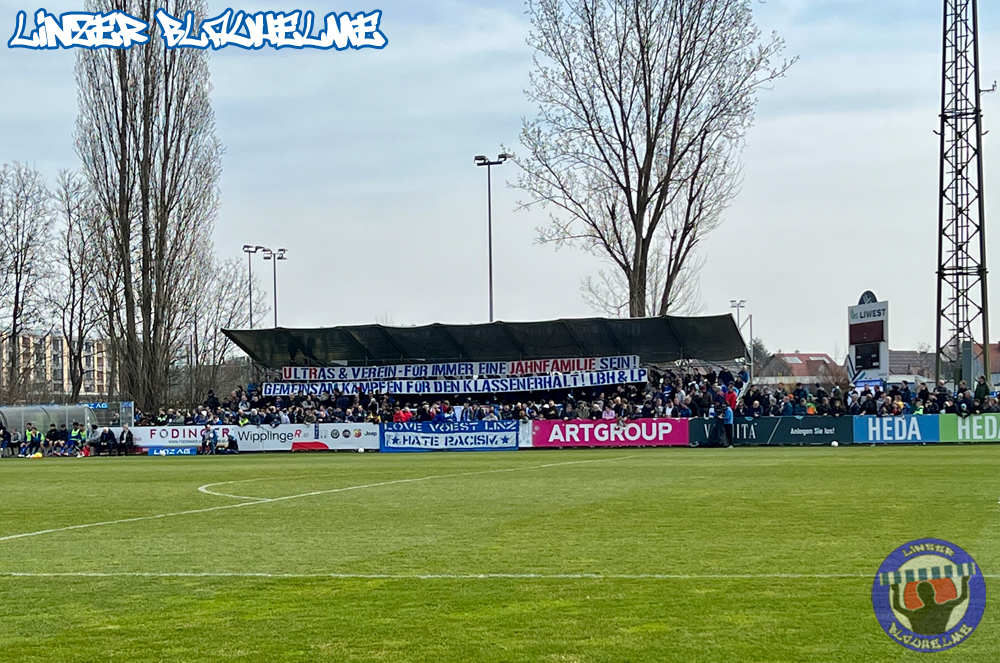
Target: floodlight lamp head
[280,254]
[504,156]
[480,159]
[247,248]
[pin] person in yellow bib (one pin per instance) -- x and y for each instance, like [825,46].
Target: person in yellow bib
[32,440]
[77,439]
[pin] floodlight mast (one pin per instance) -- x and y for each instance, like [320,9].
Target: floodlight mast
[482,160]
[962,301]
[250,251]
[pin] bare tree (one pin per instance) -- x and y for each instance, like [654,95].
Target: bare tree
[74,295]
[146,139]
[608,293]
[220,304]
[643,106]
[25,243]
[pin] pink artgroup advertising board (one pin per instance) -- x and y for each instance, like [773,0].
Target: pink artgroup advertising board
[610,433]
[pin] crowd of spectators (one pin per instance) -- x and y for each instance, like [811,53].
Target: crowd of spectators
[703,393]
[668,393]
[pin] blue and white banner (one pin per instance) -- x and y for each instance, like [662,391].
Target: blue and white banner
[459,369]
[172,451]
[451,436]
[480,386]
[902,429]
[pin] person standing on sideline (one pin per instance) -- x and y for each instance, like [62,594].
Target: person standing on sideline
[209,438]
[727,423]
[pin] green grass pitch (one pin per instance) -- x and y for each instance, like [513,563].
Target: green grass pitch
[157,589]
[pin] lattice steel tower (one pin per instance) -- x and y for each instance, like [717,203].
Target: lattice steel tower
[961,292]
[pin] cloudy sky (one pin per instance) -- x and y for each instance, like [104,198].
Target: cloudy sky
[360,164]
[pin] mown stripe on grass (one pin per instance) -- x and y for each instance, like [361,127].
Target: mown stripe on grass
[450,576]
[268,500]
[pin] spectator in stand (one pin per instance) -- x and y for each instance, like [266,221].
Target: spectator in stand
[424,413]
[941,394]
[788,407]
[885,407]
[869,405]
[837,408]
[725,377]
[443,414]
[684,410]
[905,394]
[982,389]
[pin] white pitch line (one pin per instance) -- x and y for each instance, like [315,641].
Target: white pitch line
[268,500]
[205,488]
[456,576]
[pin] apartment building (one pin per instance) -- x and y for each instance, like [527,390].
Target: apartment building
[44,363]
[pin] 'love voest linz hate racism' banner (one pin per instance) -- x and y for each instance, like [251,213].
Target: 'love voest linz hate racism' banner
[610,433]
[451,436]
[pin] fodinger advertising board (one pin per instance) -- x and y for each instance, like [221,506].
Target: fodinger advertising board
[285,437]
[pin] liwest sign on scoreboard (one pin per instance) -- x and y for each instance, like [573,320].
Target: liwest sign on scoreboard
[868,332]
